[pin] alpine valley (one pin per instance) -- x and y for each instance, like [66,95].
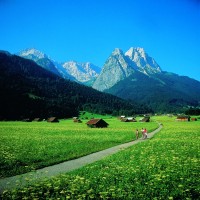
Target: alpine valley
[133,76]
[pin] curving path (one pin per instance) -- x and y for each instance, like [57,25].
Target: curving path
[48,172]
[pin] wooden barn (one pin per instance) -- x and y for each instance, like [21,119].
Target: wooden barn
[145,119]
[129,119]
[52,119]
[183,118]
[97,123]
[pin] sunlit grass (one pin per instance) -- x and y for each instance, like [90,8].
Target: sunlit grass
[165,167]
[26,146]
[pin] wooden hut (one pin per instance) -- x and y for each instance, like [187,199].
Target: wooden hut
[52,119]
[97,123]
[129,119]
[183,118]
[145,119]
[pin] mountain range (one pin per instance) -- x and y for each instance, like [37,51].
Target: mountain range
[83,73]
[29,90]
[133,76]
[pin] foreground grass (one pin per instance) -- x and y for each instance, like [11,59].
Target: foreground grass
[165,167]
[27,146]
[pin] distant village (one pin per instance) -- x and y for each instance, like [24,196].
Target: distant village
[101,123]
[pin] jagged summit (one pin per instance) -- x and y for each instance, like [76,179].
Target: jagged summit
[117,51]
[132,51]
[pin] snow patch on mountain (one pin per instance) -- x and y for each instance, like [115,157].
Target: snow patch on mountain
[82,72]
[145,63]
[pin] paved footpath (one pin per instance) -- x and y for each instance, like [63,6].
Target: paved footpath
[48,172]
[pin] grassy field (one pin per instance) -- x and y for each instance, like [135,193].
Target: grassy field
[165,167]
[26,146]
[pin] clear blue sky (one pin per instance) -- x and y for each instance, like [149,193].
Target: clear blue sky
[89,30]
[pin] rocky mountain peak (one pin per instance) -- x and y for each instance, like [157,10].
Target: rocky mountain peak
[120,66]
[115,69]
[136,53]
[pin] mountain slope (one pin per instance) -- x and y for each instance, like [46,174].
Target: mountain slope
[162,93]
[28,91]
[40,58]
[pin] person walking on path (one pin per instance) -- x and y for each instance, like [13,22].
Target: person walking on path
[137,134]
[145,133]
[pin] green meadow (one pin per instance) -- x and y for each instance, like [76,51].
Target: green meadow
[26,146]
[164,167]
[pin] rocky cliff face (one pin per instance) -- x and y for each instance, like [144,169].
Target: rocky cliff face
[116,68]
[120,66]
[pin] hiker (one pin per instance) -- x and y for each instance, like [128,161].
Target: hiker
[137,134]
[145,133]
